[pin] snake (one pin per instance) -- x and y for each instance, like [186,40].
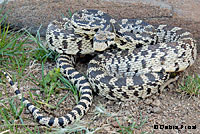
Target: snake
[134,59]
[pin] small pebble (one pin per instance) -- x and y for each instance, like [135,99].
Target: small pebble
[157,110]
[156,103]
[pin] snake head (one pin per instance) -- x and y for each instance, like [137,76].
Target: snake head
[103,40]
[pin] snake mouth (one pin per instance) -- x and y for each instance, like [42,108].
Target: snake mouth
[100,46]
[103,40]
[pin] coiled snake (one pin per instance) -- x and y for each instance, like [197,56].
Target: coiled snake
[141,64]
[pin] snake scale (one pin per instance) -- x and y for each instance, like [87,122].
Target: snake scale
[136,61]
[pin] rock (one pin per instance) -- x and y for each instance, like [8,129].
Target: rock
[157,110]
[156,103]
[31,14]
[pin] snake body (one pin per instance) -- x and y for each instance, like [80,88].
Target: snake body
[145,57]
